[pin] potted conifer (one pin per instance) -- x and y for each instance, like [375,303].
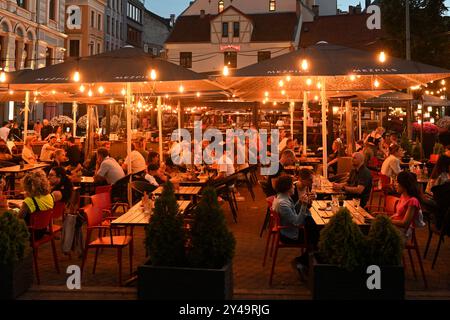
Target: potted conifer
[350,265]
[16,260]
[187,265]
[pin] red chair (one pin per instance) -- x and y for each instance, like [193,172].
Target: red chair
[94,222]
[271,231]
[278,244]
[389,206]
[40,220]
[434,158]
[58,213]
[412,244]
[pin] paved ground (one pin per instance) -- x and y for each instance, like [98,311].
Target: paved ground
[250,277]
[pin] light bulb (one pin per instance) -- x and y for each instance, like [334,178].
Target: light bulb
[266,94]
[281,83]
[167,96]
[376,83]
[316,98]
[305,65]
[283,92]
[430,109]
[90,93]
[198,94]
[2,76]
[419,106]
[11,92]
[225,71]
[352,77]
[308,82]
[76,76]
[153,74]
[382,57]
[319,85]
[288,78]
[181,89]
[274,103]
[123,91]
[82,88]
[101,89]
[443,82]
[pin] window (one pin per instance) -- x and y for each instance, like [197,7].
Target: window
[92,19]
[134,36]
[117,29]
[224,29]
[186,59]
[22,3]
[48,56]
[74,48]
[27,54]
[112,27]
[91,48]
[18,54]
[221,6]
[263,55]
[230,59]
[52,10]
[236,29]
[99,22]
[272,5]
[134,13]
[108,27]
[107,45]
[98,48]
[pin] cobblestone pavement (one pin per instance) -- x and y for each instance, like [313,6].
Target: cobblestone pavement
[250,277]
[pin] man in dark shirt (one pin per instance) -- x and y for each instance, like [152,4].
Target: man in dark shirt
[46,130]
[287,158]
[359,183]
[73,152]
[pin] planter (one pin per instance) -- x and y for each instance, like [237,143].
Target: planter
[172,283]
[16,279]
[330,282]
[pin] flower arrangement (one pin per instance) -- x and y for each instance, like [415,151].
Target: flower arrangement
[115,123]
[82,122]
[428,128]
[60,121]
[444,123]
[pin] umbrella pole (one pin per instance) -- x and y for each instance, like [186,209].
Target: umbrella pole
[74,113]
[349,125]
[128,107]
[179,119]
[305,125]
[359,121]
[291,111]
[324,128]
[160,130]
[26,110]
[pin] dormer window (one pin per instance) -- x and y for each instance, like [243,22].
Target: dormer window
[224,29]
[221,6]
[272,5]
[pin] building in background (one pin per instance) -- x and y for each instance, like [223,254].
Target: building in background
[114,25]
[88,37]
[31,36]
[155,32]
[133,22]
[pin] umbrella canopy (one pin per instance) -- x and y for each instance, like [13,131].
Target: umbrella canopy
[110,70]
[345,70]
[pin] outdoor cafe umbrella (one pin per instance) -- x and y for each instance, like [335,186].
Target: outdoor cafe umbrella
[326,69]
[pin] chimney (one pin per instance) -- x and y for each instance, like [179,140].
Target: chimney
[315,9]
[191,3]
[172,20]
[358,9]
[351,10]
[367,3]
[202,14]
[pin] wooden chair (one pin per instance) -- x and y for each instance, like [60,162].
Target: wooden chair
[94,222]
[412,245]
[224,189]
[40,220]
[278,244]
[270,227]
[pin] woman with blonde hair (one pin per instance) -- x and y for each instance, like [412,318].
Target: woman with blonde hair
[27,153]
[37,196]
[375,140]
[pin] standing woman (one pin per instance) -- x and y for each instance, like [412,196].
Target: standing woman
[375,140]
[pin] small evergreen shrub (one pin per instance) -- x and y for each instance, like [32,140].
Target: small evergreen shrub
[14,238]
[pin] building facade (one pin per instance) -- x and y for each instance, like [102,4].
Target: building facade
[155,32]
[211,34]
[133,22]
[87,37]
[114,25]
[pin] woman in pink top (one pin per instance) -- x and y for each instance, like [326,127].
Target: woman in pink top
[408,211]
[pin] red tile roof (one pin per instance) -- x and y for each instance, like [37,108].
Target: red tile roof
[347,30]
[271,27]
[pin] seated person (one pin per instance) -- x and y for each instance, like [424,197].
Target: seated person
[6,158]
[60,184]
[440,173]
[338,150]
[359,183]
[153,175]
[59,158]
[391,165]
[408,213]
[225,166]
[137,161]
[74,154]
[109,170]
[48,149]
[287,158]
[37,197]
[27,152]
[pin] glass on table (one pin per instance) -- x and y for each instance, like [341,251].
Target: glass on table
[356,203]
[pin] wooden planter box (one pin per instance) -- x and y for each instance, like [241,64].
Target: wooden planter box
[16,279]
[171,283]
[329,282]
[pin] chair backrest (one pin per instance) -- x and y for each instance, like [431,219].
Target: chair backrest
[344,165]
[101,201]
[41,219]
[434,158]
[58,209]
[103,189]
[390,204]
[143,186]
[93,215]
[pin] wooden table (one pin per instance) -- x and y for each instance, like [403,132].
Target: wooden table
[18,169]
[312,160]
[326,188]
[184,180]
[192,192]
[321,217]
[16,202]
[137,217]
[295,168]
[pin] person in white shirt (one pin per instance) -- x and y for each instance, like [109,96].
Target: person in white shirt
[4,131]
[137,161]
[152,172]
[391,165]
[27,152]
[225,166]
[48,149]
[109,169]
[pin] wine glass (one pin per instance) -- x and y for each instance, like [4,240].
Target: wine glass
[356,202]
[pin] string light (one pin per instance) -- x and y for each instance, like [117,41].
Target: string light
[382,57]
[225,71]
[319,85]
[167,96]
[266,94]
[274,103]
[123,92]
[304,65]
[288,78]
[352,77]
[316,98]
[308,81]
[376,83]
[2,76]
[90,93]
[427,92]
[430,109]
[76,76]
[443,82]
[432,120]
[198,94]
[283,92]
[419,121]
[181,88]
[153,74]
[11,91]
[281,83]
[82,88]
[53,92]
[101,89]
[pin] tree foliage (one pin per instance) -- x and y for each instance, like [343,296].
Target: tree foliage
[14,238]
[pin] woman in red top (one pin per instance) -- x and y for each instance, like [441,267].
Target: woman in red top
[408,209]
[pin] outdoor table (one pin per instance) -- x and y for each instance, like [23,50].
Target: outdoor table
[321,217]
[18,169]
[325,188]
[192,192]
[136,216]
[16,202]
[185,180]
[296,168]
